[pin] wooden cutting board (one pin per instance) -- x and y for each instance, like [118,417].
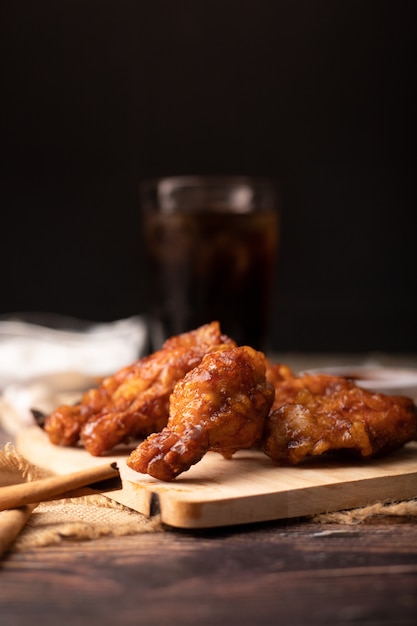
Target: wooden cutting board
[245,489]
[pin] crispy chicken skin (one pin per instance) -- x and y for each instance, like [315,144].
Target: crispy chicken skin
[314,414]
[133,402]
[201,392]
[277,373]
[220,405]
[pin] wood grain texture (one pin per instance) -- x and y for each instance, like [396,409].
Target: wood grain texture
[246,489]
[284,572]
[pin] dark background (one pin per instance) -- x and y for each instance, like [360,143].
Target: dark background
[98,94]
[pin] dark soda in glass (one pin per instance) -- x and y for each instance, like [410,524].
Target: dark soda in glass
[210,260]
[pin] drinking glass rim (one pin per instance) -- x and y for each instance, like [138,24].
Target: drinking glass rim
[209,180]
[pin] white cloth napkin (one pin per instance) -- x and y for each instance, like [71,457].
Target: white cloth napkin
[43,366]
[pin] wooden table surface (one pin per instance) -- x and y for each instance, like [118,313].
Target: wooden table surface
[290,572]
[277,573]
[280,573]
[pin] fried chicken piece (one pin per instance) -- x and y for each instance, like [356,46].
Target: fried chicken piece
[221,406]
[133,402]
[277,373]
[314,414]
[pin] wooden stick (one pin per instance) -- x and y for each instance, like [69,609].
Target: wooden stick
[15,496]
[11,523]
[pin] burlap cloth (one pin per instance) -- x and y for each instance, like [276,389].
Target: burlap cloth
[94,516]
[82,518]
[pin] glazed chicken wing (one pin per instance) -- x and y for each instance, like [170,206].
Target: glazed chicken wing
[221,405]
[133,402]
[277,373]
[314,414]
